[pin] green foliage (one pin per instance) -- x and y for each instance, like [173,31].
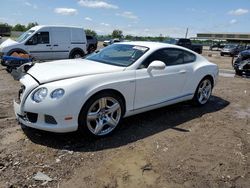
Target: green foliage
[5,25]
[90,32]
[30,25]
[117,33]
[19,27]
[143,38]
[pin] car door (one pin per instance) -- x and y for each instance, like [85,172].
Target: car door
[160,86]
[60,42]
[39,45]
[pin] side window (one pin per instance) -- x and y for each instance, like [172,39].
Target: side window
[39,38]
[170,56]
[174,57]
[158,55]
[189,57]
[89,37]
[43,38]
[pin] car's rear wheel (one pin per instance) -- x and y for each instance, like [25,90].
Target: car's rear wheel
[203,92]
[76,54]
[101,114]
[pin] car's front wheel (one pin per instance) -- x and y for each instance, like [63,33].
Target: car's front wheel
[203,92]
[101,114]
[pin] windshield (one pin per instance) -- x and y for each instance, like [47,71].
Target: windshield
[230,46]
[24,36]
[170,41]
[118,54]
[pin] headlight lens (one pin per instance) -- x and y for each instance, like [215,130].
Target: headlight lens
[40,94]
[57,94]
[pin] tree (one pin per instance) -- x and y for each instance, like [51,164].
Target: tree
[161,38]
[90,32]
[129,37]
[31,24]
[19,27]
[117,33]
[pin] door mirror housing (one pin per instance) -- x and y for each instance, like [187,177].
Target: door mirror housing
[156,65]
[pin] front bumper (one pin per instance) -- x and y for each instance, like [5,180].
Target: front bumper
[47,115]
[41,122]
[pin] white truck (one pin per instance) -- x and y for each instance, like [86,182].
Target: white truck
[48,42]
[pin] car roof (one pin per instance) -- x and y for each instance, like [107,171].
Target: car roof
[53,26]
[152,45]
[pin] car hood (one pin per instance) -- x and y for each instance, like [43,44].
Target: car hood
[63,69]
[8,42]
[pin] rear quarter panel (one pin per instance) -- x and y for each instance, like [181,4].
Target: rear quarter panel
[201,68]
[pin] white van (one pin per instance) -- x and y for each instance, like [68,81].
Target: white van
[48,42]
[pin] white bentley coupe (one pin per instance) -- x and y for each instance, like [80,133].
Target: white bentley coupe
[123,79]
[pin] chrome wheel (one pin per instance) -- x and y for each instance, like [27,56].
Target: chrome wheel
[204,91]
[103,116]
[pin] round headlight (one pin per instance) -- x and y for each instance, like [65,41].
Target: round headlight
[40,94]
[57,94]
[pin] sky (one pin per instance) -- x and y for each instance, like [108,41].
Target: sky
[133,17]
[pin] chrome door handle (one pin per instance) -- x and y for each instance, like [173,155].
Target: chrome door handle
[182,71]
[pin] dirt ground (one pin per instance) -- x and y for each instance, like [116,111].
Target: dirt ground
[175,146]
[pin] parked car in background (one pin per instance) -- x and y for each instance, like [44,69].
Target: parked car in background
[48,42]
[232,50]
[242,63]
[186,43]
[112,41]
[217,46]
[92,43]
[5,30]
[120,80]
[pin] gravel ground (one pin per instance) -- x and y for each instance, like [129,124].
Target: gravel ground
[175,146]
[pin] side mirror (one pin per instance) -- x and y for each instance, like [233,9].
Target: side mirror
[32,40]
[156,65]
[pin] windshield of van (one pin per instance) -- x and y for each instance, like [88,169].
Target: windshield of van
[24,36]
[230,46]
[118,54]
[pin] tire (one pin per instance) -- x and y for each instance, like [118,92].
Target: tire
[76,54]
[222,54]
[203,92]
[91,49]
[17,51]
[9,69]
[105,109]
[238,72]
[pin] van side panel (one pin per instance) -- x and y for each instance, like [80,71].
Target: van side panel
[77,35]
[78,39]
[61,43]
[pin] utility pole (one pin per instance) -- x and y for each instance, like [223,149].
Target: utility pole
[186,33]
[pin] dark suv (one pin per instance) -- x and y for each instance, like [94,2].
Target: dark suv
[242,63]
[91,43]
[232,50]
